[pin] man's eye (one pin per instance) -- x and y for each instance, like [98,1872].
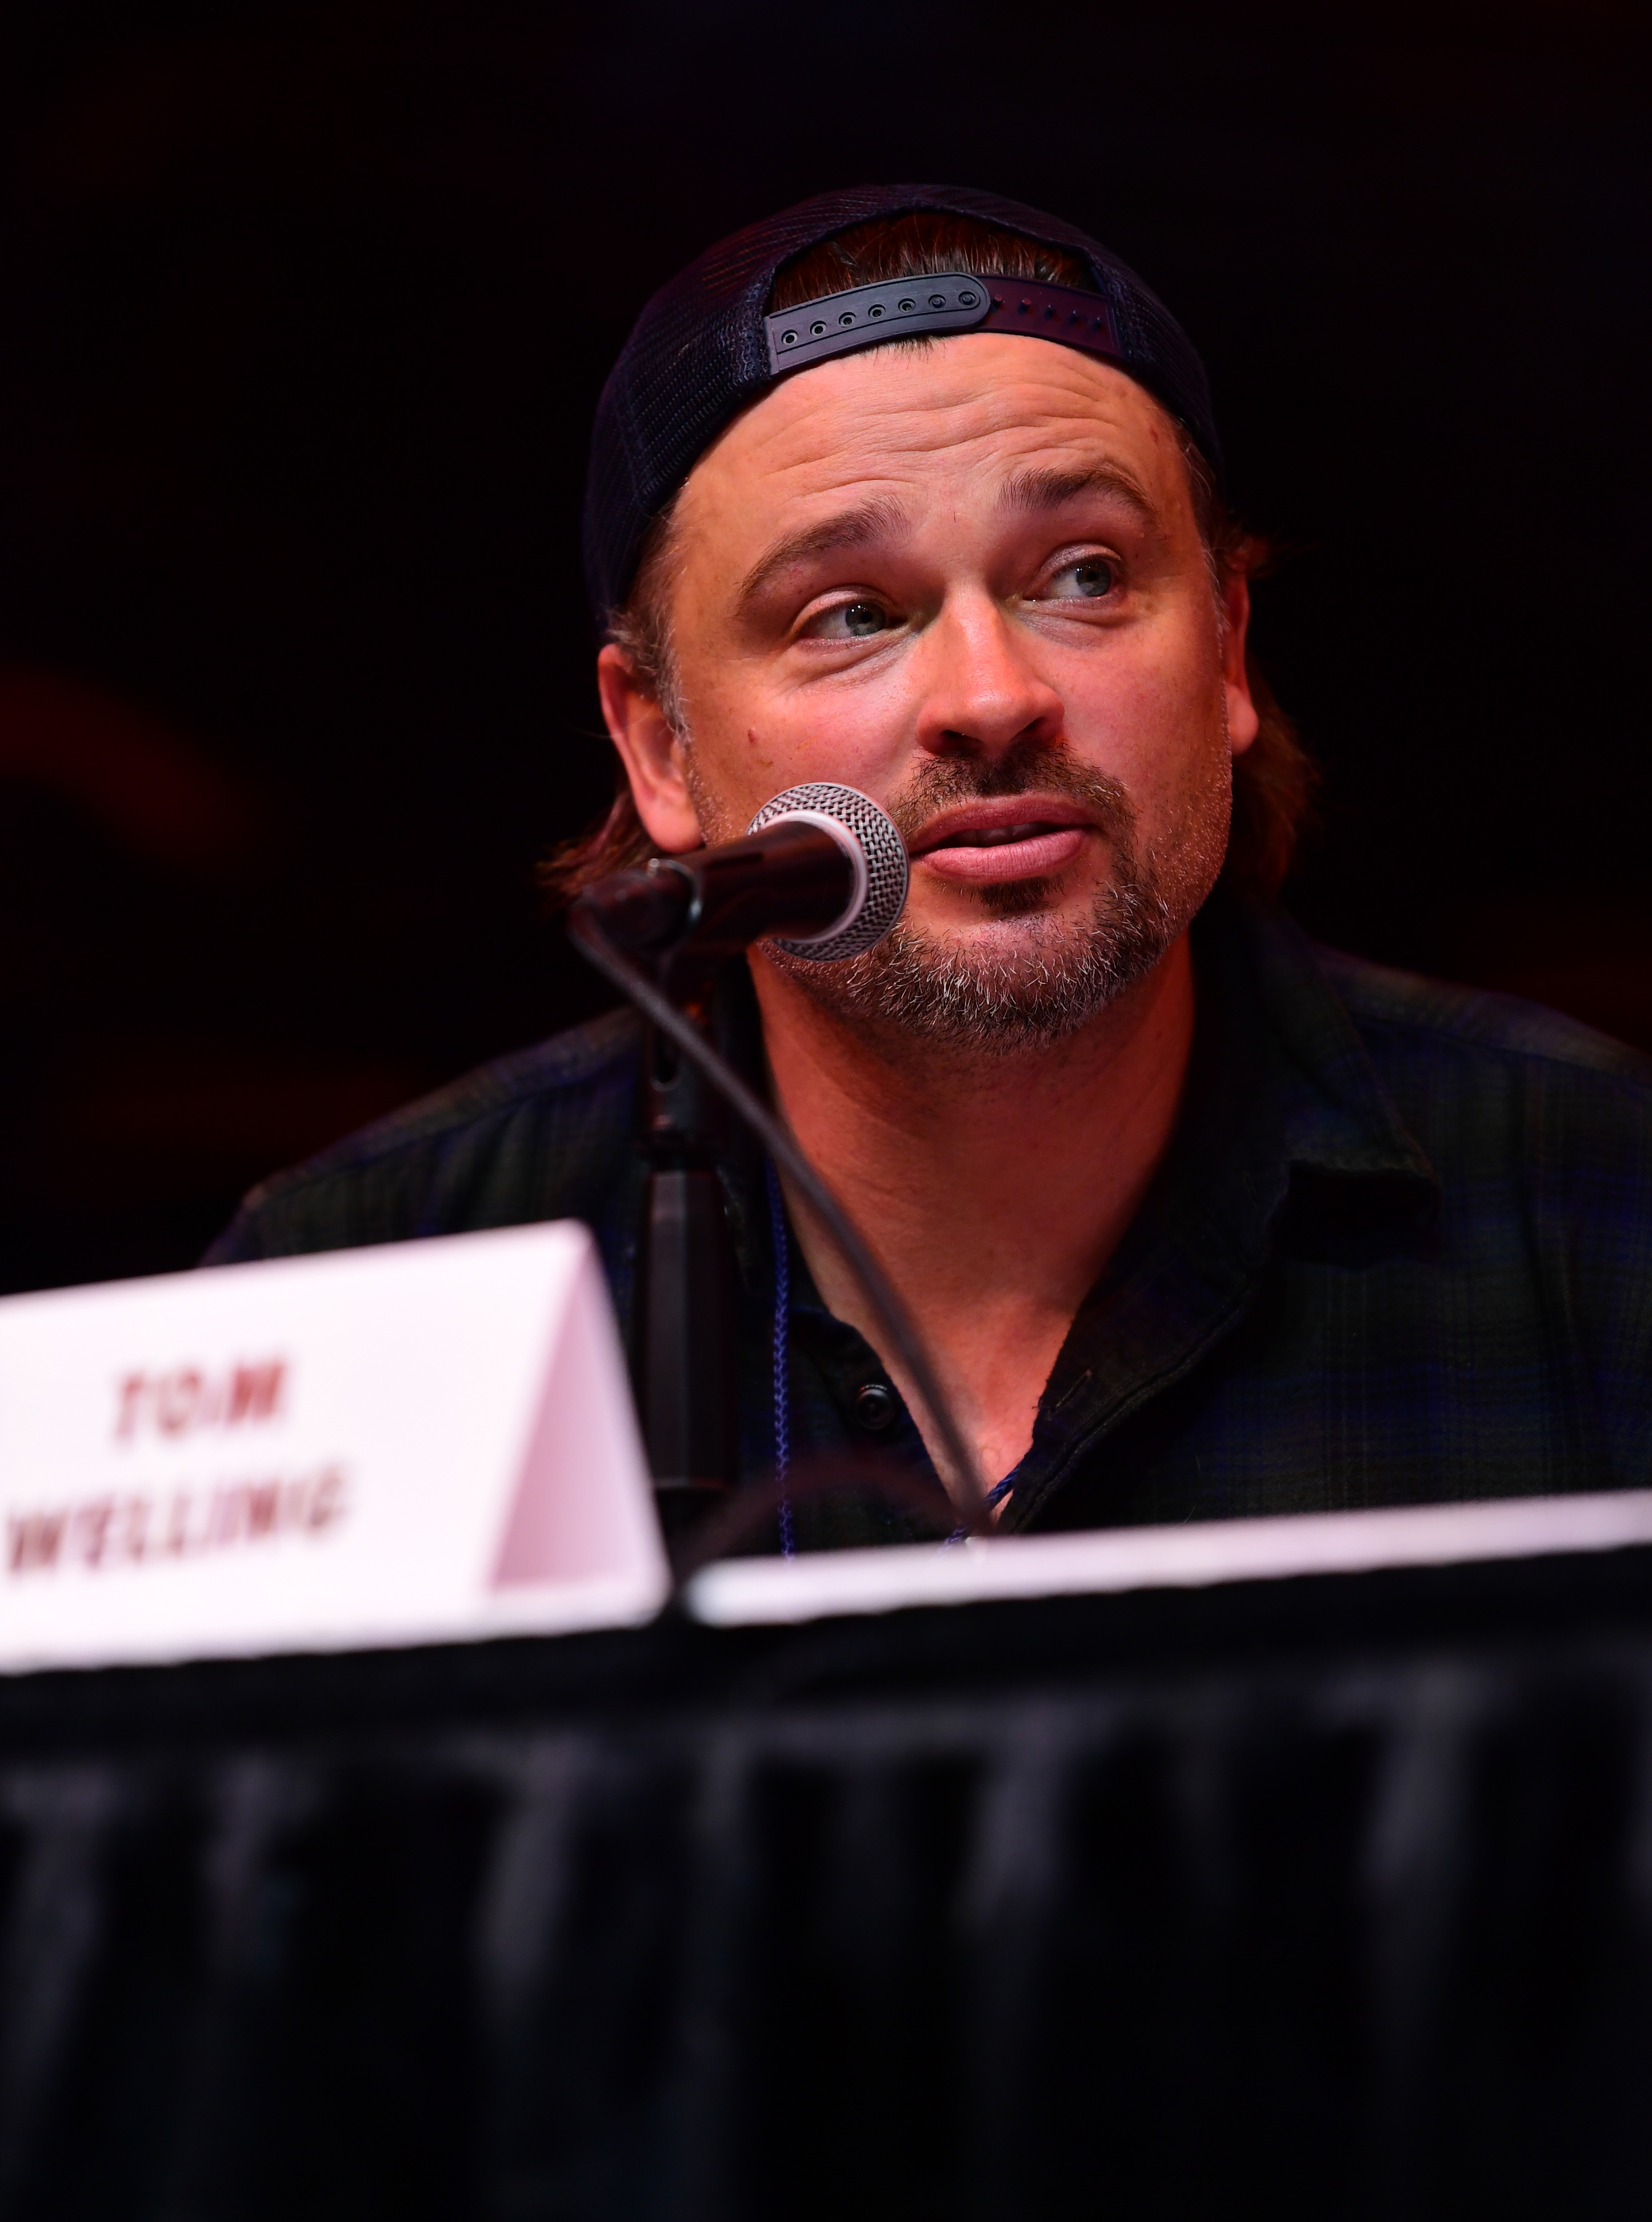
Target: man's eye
[1088,581]
[851,621]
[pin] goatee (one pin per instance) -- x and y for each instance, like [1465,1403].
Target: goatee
[1046,980]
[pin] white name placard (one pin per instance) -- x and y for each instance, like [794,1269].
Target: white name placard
[423,1442]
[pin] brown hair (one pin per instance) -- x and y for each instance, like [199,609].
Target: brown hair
[1274,780]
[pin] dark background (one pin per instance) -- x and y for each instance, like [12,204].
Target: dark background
[302,313]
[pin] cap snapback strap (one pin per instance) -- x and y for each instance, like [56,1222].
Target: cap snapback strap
[865,315]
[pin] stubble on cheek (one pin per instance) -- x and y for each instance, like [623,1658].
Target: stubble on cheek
[716,821]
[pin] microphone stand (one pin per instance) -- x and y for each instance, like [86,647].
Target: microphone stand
[683,1147]
[684,1335]
[684,919]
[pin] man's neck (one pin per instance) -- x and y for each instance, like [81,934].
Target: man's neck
[993,1187]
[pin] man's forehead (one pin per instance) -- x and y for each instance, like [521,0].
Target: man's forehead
[1012,417]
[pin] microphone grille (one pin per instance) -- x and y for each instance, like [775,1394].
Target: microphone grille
[886,866]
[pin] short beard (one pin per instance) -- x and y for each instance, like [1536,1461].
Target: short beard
[1059,974]
[1049,988]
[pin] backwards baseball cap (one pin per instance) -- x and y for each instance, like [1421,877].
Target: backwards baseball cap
[707,345]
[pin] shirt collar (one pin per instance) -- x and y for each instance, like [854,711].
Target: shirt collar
[1336,1115]
[1282,1104]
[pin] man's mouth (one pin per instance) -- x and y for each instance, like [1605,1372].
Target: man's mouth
[994,836]
[992,846]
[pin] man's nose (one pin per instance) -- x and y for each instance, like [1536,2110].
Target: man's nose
[981,692]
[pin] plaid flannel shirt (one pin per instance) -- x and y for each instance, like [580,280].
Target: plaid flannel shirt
[1399,1251]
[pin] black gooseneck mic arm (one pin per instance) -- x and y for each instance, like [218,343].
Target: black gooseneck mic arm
[681,919]
[892,1316]
[686,1317]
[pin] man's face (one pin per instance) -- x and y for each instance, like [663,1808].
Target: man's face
[967,580]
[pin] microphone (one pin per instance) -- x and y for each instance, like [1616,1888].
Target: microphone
[820,872]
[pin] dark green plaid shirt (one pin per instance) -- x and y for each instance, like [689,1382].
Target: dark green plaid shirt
[1400,1251]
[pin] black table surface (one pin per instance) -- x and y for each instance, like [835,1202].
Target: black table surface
[1329,1896]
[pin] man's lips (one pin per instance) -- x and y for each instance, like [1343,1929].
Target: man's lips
[1016,842]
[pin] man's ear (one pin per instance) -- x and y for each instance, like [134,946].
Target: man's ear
[1243,723]
[651,753]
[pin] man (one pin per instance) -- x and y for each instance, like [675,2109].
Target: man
[1198,1220]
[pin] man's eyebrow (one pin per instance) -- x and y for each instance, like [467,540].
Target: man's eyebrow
[1033,489]
[879,519]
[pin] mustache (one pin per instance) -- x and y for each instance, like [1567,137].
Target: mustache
[1028,767]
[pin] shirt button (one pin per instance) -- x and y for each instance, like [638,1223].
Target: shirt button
[875,1406]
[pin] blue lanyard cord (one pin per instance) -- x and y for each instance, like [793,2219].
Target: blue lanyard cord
[996,1495]
[781,1244]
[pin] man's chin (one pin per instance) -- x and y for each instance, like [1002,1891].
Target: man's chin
[1024,977]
